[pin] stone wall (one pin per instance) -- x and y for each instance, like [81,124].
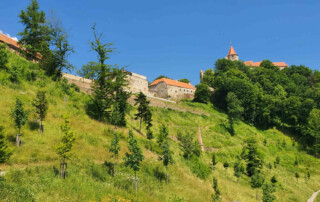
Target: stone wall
[83,83]
[163,90]
[137,83]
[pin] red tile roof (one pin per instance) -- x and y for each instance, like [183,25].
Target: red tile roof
[257,64]
[232,51]
[8,40]
[173,83]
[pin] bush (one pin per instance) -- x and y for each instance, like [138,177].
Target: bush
[197,167]
[274,179]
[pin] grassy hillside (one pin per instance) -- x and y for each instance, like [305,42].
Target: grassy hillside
[32,171]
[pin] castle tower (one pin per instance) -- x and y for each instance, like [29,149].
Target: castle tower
[232,55]
[201,76]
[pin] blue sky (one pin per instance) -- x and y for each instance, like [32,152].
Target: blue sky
[178,38]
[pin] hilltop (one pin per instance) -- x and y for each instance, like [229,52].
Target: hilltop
[32,171]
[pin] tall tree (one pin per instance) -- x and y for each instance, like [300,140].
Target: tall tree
[163,134]
[166,157]
[3,56]
[314,128]
[208,77]
[268,190]
[65,147]
[143,109]
[20,117]
[4,151]
[114,149]
[41,105]
[252,157]
[134,157]
[256,182]
[61,47]
[36,35]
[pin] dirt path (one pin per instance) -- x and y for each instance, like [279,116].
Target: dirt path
[203,148]
[314,195]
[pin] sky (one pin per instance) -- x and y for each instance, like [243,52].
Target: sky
[178,38]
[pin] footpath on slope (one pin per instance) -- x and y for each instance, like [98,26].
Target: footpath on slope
[314,195]
[203,148]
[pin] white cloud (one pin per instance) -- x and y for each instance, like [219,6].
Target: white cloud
[8,35]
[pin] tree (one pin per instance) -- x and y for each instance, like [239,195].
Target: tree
[4,151]
[65,147]
[234,106]
[216,196]
[20,117]
[226,165]
[252,157]
[36,35]
[184,80]
[89,71]
[202,93]
[3,56]
[314,128]
[134,157]
[214,161]
[62,48]
[256,182]
[115,148]
[238,170]
[189,147]
[208,78]
[166,157]
[120,105]
[268,190]
[163,134]
[160,77]
[143,109]
[41,105]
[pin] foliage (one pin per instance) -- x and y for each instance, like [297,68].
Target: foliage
[163,134]
[188,146]
[89,71]
[144,112]
[314,128]
[19,115]
[5,153]
[216,196]
[115,148]
[184,80]
[134,157]
[199,168]
[239,169]
[214,160]
[41,105]
[36,35]
[274,179]
[166,154]
[268,190]
[208,77]
[202,93]
[252,157]
[256,180]
[3,56]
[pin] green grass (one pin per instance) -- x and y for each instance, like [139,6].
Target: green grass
[32,169]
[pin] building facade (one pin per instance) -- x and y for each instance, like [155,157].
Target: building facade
[137,83]
[171,89]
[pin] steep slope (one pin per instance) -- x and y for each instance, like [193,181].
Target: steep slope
[32,171]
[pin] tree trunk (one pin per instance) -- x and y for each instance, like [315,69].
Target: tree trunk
[63,169]
[18,140]
[136,181]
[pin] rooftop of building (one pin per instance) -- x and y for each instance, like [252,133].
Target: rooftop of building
[173,83]
[8,40]
[232,51]
[257,64]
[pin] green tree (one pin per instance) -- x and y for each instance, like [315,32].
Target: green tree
[314,128]
[114,149]
[64,149]
[184,80]
[3,56]
[119,110]
[166,157]
[202,93]
[208,78]
[134,157]
[160,77]
[5,153]
[36,35]
[89,71]
[268,190]
[256,182]
[20,117]
[143,109]
[216,196]
[234,106]
[252,157]
[61,47]
[189,147]
[41,105]
[163,135]
[239,169]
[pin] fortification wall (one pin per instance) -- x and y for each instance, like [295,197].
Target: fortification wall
[83,83]
[137,83]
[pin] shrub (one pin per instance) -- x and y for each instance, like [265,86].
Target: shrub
[274,179]
[197,167]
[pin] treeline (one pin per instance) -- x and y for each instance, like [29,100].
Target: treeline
[266,96]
